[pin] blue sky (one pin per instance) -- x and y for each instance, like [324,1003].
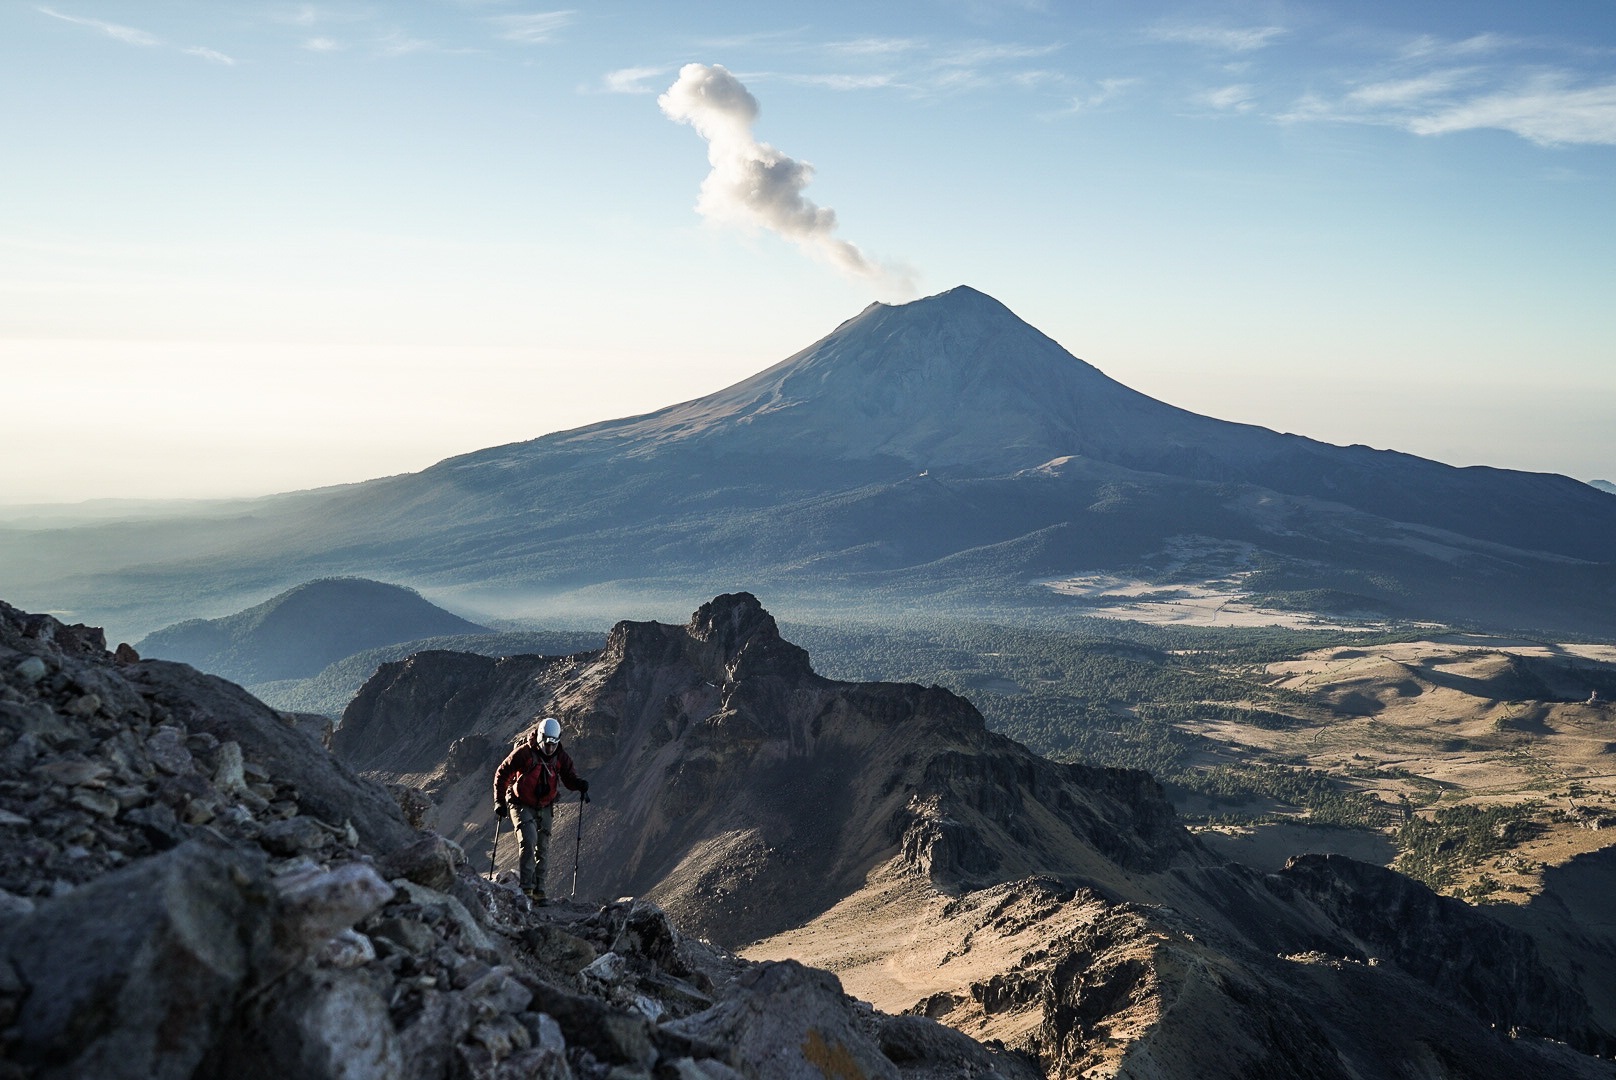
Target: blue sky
[258,247]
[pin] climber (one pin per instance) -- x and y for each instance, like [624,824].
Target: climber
[525,790]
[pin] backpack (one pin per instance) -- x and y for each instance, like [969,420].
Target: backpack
[536,780]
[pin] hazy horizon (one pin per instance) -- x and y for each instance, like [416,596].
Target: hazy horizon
[254,251]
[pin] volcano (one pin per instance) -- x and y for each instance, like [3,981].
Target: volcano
[941,451]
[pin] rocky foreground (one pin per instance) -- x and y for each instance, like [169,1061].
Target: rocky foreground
[190,885]
[881,831]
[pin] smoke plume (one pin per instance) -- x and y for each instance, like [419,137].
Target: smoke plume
[752,183]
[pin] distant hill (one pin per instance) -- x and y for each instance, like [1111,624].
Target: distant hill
[1603,485]
[303,630]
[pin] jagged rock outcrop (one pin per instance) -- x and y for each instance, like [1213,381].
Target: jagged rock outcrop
[190,886]
[1488,968]
[411,735]
[749,794]
[943,870]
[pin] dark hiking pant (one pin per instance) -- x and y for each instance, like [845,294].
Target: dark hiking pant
[533,827]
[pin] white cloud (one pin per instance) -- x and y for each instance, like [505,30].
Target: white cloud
[1408,91]
[752,184]
[920,66]
[1230,39]
[212,56]
[1109,89]
[323,44]
[1239,98]
[1548,108]
[977,55]
[1310,108]
[1032,80]
[399,43]
[1427,47]
[535,28]
[312,15]
[127,34]
[1547,111]
[631,80]
[974,66]
[847,82]
[875,46]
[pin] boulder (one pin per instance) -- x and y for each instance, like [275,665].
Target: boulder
[134,974]
[784,1021]
[321,1025]
[429,861]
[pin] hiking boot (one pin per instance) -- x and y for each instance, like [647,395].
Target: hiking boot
[536,896]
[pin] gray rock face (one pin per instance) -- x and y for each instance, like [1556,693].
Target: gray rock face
[791,1021]
[191,887]
[409,733]
[944,1052]
[466,755]
[1493,970]
[223,712]
[324,1025]
[134,974]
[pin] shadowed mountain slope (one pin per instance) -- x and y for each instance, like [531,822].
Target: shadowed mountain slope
[958,384]
[942,448]
[299,632]
[726,747]
[942,869]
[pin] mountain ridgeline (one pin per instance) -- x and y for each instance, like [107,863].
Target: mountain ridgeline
[728,748]
[942,451]
[945,870]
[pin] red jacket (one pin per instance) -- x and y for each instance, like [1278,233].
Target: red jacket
[528,777]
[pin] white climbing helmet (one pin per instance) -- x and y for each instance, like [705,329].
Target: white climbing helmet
[549,734]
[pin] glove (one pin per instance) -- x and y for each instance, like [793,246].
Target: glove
[502,808]
[583,785]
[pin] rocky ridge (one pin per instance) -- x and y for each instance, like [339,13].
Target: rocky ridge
[754,793]
[881,831]
[190,885]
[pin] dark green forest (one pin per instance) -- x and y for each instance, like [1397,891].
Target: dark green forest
[1109,692]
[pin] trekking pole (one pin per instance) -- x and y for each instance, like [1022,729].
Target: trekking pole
[579,844]
[493,856]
